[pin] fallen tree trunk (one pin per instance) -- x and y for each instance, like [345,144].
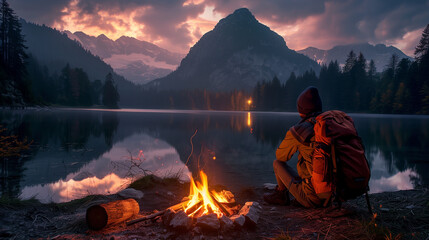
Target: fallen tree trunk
[99,216]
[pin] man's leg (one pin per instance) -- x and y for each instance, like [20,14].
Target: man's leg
[288,178]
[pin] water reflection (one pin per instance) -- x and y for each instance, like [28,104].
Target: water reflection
[79,152]
[126,161]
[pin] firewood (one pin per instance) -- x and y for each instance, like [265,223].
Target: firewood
[194,207]
[99,216]
[154,215]
[224,210]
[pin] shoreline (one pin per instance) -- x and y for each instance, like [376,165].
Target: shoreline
[32,219]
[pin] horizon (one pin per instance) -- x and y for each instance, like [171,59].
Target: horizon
[178,26]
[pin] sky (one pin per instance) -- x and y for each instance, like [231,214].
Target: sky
[178,24]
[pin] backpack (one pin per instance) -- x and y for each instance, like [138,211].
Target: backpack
[339,162]
[340,168]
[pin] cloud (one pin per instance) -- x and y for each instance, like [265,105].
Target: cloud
[39,11]
[177,24]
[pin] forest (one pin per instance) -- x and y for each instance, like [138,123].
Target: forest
[401,88]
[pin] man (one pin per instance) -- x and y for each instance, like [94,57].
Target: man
[298,138]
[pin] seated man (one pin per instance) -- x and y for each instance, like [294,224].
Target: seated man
[298,138]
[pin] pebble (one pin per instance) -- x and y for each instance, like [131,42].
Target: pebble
[131,193]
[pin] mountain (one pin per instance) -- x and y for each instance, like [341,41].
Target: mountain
[136,60]
[54,50]
[236,54]
[380,53]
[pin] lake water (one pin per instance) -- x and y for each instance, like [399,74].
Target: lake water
[76,152]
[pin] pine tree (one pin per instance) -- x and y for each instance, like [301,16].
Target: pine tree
[350,62]
[12,50]
[372,70]
[423,47]
[110,93]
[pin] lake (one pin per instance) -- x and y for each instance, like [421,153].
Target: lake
[76,152]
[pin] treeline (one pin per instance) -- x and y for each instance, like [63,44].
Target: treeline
[194,99]
[402,87]
[23,81]
[71,87]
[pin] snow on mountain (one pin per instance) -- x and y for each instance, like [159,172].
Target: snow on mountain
[138,61]
[380,53]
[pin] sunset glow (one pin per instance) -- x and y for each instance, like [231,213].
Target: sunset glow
[178,25]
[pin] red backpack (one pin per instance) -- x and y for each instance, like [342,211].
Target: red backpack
[339,163]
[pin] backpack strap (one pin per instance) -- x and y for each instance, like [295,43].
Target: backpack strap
[303,131]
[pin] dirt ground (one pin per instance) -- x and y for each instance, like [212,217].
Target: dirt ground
[397,215]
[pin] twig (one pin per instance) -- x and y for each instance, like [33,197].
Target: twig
[192,147]
[174,207]
[146,217]
[328,231]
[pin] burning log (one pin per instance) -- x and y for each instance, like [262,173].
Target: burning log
[99,216]
[194,208]
[154,215]
[224,210]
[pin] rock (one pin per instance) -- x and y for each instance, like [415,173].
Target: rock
[208,222]
[238,220]
[131,193]
[270,186]
[251,211]
[181,221]
[168,215]
[226,222]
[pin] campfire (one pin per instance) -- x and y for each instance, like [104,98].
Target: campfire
[203,209]
[202,201]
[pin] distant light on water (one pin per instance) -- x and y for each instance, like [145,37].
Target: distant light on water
[249,119]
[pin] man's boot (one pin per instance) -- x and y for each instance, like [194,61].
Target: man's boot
[278,197]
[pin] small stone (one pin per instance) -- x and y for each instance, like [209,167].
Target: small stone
[226,223]
[181,221]
[270,186]
[251,211]
[131,193]
[384,209]
[168,215]
[410,207]
[209,222]
[238,220]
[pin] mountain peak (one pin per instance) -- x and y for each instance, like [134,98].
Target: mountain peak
[243,12]
[239,17]
[102,36]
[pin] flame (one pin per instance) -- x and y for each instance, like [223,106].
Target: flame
[201,199]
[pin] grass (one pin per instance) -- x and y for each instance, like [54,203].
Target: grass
[282,236]
[6,201]
[150,181]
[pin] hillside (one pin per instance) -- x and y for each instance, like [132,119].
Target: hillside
[54,50]
[136,60]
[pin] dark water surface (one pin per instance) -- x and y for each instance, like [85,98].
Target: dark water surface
[80,152]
